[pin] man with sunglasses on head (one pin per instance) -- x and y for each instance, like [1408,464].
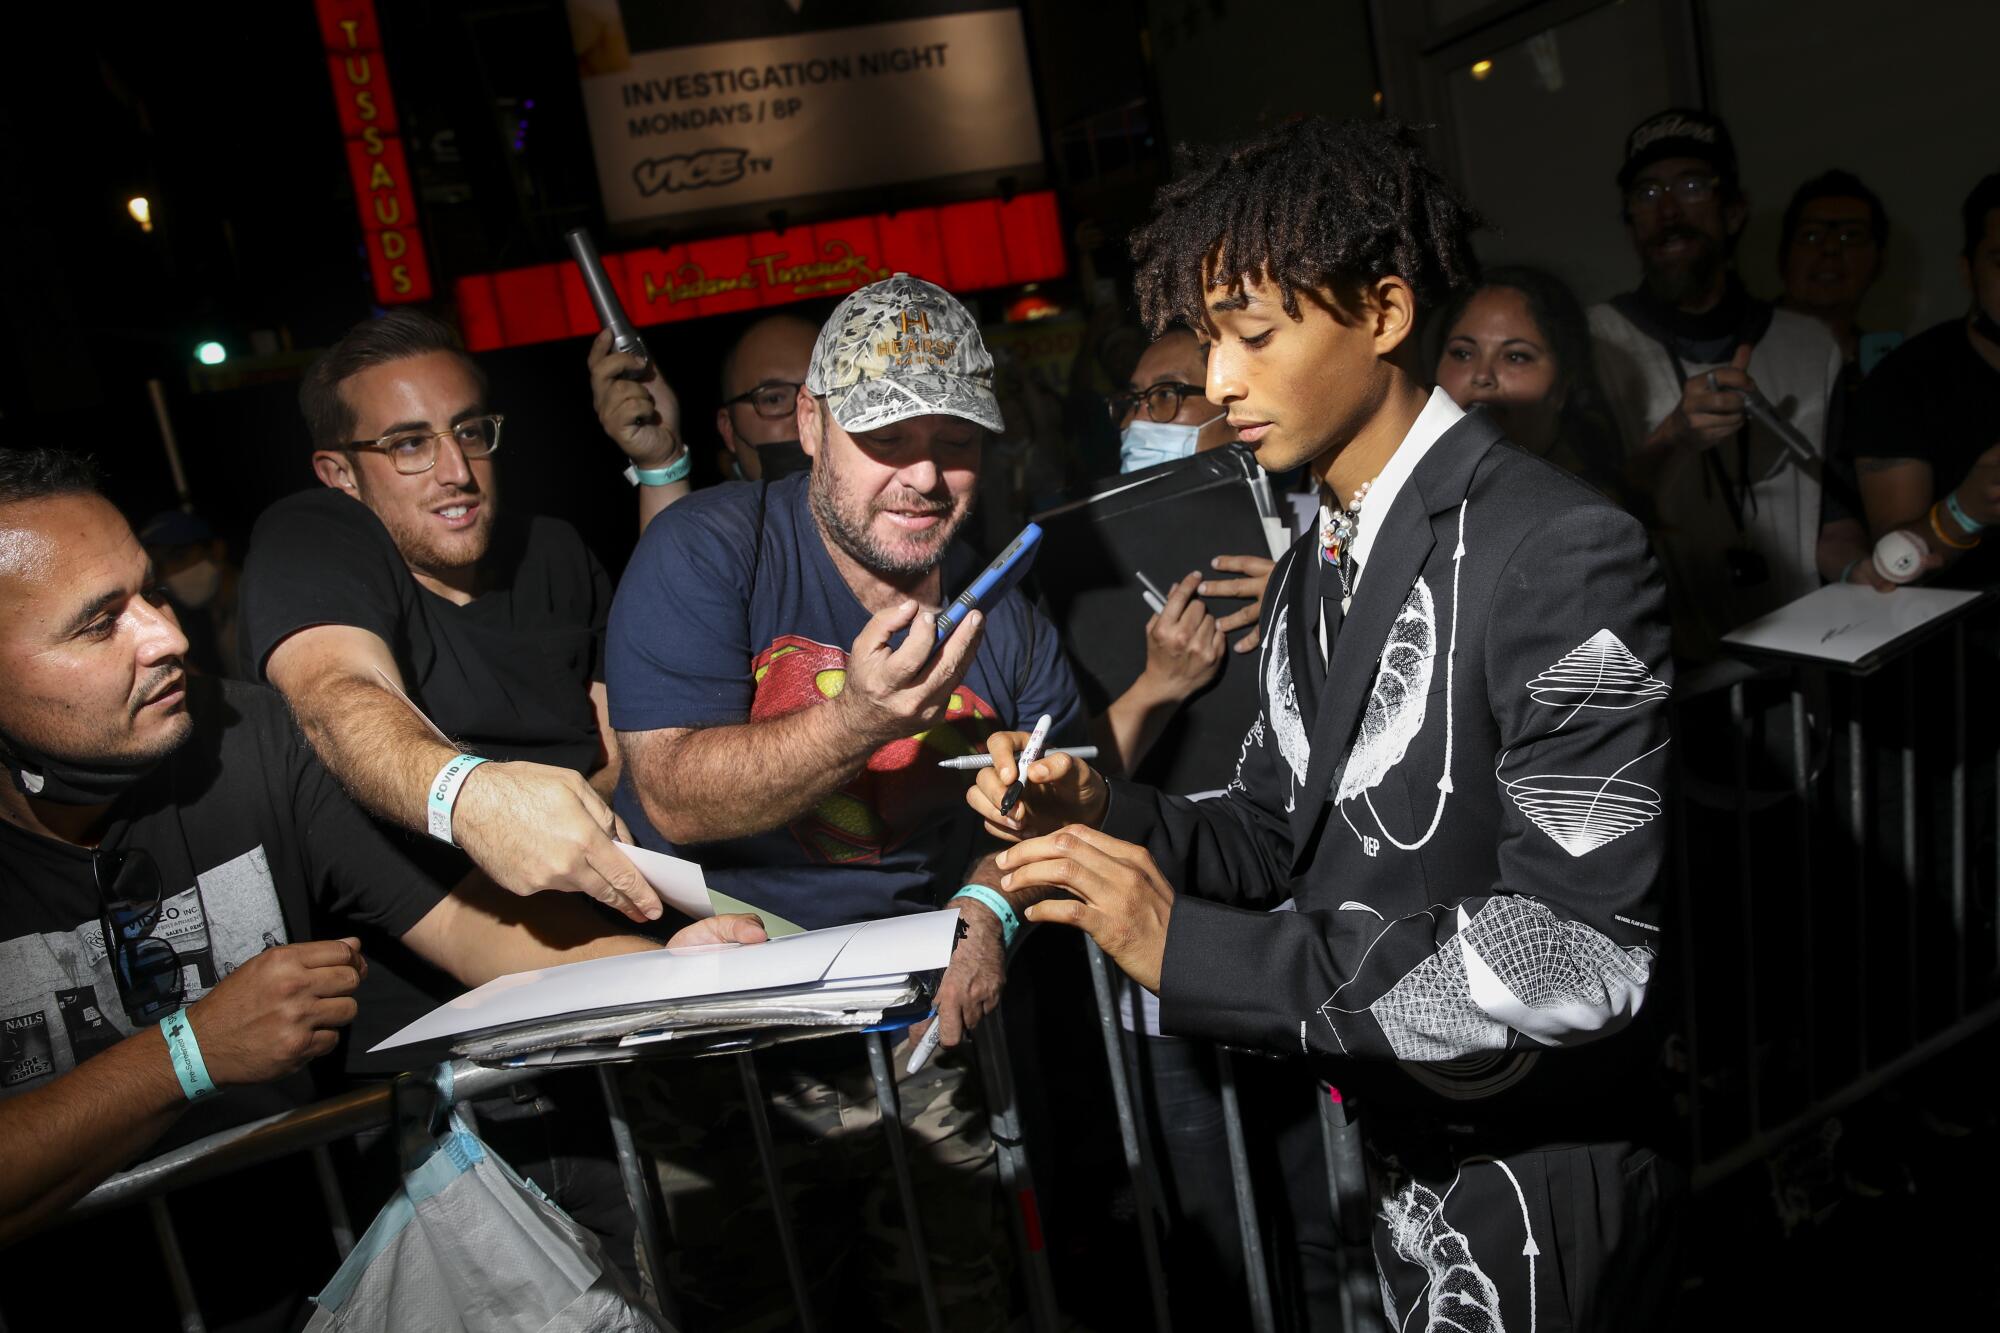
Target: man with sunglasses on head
[185,886]
[1737,519]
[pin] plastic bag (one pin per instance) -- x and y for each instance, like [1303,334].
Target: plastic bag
[467,1246]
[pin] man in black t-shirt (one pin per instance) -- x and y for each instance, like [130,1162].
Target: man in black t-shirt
[402,576]
[1925,433]
[179,870]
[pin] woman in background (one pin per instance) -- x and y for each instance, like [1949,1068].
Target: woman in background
[1518,345]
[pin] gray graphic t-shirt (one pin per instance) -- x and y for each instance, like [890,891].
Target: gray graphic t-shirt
[256,847]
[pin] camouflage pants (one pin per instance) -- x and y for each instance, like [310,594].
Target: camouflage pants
[725,1266]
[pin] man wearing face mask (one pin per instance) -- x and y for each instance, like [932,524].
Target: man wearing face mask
[761,376]
[200,581]
[180,873]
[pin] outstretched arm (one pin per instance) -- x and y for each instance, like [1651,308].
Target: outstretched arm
[531,827]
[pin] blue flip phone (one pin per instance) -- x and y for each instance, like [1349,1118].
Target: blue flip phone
[993,581]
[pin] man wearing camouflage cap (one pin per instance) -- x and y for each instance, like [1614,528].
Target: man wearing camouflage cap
[781,712]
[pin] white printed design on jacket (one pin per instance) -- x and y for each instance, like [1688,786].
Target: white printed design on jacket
[1514,967]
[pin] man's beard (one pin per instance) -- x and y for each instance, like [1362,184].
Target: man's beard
[429,551]
[1677,281]
[855,534]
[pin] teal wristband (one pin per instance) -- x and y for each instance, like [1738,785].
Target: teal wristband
[662,476]
[1971,525]
[1000,907]
[1848,568]
[186,1056]
[444,793]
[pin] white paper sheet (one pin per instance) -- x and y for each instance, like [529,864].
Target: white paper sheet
[1845,622]
[680,884]
[895,946]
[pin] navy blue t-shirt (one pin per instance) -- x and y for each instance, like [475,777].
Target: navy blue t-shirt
[732,611]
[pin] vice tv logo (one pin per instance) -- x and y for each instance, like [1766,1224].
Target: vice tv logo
[696,171]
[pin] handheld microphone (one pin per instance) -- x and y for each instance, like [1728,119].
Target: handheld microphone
[610,313]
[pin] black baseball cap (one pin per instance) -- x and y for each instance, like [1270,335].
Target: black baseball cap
[1678,132]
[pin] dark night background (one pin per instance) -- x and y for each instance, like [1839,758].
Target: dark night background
[229,128]
[222,116]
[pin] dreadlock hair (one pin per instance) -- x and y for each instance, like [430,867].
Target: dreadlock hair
[1313,205]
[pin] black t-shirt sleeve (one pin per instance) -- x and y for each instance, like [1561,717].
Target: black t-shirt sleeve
[318,558]
[600,615]
[1888,416]
[354,873]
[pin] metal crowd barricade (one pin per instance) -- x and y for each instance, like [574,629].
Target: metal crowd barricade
[310,1129]
[1840,1027]
[1872,932]
[1853,858]
[1347,1182]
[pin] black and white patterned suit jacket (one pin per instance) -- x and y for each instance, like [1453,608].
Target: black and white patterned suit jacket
[1467,811]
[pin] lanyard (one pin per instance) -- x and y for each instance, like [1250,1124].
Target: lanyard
[1737,491]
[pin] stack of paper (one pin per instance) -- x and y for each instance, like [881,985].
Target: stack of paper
[1848,624]
[840,979]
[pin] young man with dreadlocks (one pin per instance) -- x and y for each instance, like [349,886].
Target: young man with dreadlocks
[1457,768]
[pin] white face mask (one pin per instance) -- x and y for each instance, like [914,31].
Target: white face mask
[1144,443]
[195,586]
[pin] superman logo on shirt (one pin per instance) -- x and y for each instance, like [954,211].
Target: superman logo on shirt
[898,791]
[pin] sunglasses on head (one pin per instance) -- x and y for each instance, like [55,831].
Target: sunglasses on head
[148,971]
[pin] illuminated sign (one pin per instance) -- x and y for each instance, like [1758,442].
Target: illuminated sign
[736,108]
[383,190]
[961,247]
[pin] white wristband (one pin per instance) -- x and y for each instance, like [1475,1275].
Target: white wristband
[444,793]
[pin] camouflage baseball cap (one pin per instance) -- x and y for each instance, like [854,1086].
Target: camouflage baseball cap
[903,348]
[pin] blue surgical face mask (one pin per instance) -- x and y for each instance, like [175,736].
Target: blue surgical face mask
[1144,443]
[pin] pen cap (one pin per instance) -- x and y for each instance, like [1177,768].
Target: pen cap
[595,280]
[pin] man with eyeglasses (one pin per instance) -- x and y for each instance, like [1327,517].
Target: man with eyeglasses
[1831,244]
[1737,520]
[402,583]
[761,375]
[180,871]
[401,580]
[761,378]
